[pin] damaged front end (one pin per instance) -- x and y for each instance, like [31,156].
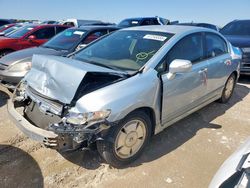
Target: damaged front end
[50,122]
[42,103]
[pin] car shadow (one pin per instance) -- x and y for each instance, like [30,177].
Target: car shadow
[18,169]
[3,98]
[244,79]
[172,137]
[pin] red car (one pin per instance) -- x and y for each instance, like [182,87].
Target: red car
[28,36]
[4,27]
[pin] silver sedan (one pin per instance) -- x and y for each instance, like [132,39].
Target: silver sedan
[124,88]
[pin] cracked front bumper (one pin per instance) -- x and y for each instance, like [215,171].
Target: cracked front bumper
[30,130]
[59,136]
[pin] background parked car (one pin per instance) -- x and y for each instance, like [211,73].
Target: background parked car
[235,171]
[132,22]
[28,36]
[4,27]
[6,21]
[124,88]
[50,22]
[206,25]
[12,29]
[238,33]
[14,66]
[77,22]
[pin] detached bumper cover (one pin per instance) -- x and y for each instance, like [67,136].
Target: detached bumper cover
[27,128]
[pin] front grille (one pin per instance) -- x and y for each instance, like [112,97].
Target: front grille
[245,60]
[46,104]
[3,66]
[34,115]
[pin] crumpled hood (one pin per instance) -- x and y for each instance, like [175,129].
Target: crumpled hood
[239,41]
[58,77]
[229,167]
[26,54]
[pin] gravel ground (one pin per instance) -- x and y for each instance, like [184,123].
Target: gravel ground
[186,154]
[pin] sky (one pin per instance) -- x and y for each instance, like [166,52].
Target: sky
[218,12]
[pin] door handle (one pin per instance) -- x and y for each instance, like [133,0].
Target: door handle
[203,70]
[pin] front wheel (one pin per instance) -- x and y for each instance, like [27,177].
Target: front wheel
[228,89]
[126,140]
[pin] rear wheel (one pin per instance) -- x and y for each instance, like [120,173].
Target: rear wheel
[127,140]
[228,89]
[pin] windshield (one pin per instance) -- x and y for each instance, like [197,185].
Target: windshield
[21,32]
[65,40]
[124,50]
[237,28]
[11,29]
[129,23]
[2,27]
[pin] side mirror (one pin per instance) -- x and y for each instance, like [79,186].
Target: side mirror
[2,33]
[179,66]
[32,37]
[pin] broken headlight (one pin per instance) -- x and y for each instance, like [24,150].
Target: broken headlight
[82,118]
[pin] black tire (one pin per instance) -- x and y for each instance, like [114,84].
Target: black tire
[106,147]
[4,52]
[224,97]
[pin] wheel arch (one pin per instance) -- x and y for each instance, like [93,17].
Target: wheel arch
[235,73]
[150,112]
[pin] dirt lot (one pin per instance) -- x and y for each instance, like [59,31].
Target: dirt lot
[186,154]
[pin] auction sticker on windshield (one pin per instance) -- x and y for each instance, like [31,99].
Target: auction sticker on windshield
[155,37]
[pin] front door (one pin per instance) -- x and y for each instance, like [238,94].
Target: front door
[186,90]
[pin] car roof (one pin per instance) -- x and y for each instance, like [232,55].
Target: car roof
[241,21]
[194,23]
[44,25]
[141,18]
[174,29]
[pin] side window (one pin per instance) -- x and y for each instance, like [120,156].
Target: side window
[45,33]
[189,48]
[153,21]
[215,45]
[93,36]
[71,24]
[60,29]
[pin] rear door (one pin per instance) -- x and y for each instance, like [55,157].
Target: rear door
[219,60]
[187,90]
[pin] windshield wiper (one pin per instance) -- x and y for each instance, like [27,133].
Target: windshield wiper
[102,65]
[57,49]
